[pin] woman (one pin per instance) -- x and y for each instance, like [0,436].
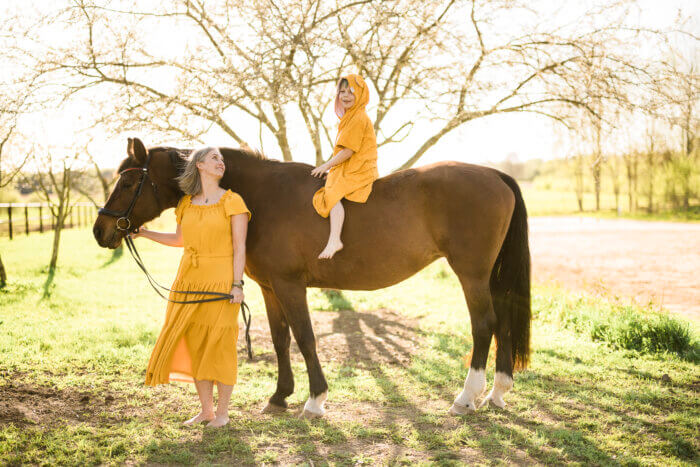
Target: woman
[353,167]
[198,341]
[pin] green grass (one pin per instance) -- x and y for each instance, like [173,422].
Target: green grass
[556,202]
[73,355]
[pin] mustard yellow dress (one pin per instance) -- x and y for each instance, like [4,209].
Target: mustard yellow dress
[352,179]
[198,341]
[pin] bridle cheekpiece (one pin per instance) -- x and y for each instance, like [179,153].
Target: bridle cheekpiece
[123,221]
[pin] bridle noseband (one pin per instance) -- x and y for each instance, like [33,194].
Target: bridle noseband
[123,221]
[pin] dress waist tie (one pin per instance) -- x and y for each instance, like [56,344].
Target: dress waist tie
[194,256]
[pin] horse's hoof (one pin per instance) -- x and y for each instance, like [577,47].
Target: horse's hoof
[309,415]
[493,402]
[273,408]
[458,409]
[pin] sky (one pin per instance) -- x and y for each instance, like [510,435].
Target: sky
[520,136]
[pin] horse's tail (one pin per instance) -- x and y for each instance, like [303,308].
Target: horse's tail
[510,280]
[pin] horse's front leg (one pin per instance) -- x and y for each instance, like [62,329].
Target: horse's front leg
[281,339]
[292,296]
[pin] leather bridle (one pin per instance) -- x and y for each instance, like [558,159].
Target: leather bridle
[124,216]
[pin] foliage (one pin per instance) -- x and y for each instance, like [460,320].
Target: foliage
[623,327]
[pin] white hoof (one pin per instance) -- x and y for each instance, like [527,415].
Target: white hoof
[310,415]
[502,383]
[458,409]
[474,386]
[494,400]
[314,406]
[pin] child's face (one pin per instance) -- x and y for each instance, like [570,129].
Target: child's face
[347,98]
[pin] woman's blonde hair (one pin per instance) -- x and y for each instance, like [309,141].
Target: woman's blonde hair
[190,182]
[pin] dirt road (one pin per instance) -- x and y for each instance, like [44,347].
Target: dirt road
[636,260]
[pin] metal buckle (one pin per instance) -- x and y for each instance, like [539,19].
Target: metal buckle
[128,224]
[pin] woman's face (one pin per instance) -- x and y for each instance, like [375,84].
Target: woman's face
[212,165]
[347,98]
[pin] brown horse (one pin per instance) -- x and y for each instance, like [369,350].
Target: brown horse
[474,216]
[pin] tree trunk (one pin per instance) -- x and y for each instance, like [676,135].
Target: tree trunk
[596,184]
[578,174]
[3,274]
[635,180]
[650,203]
[630,189]
[57,237]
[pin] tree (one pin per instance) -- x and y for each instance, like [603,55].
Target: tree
[433,64]
[87,184]
[54,176]
[14,100]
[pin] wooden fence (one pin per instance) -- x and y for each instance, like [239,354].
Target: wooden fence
[23,218]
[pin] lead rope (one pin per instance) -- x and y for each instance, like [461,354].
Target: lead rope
[219,295]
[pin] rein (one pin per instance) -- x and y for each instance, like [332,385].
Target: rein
[124,216]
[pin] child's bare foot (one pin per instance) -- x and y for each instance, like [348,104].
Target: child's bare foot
[331,249]
[219,421]
[202,417]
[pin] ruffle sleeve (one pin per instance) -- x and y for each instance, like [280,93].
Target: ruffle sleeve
[180,208]
[234,204]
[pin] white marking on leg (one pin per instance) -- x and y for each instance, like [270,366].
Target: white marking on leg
[474,386]
[502,383]
[315,404]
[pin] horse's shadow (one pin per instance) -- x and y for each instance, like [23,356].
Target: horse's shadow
[377,344]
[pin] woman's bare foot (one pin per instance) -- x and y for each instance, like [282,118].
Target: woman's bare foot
[331,249]
[219,421]
[202,417]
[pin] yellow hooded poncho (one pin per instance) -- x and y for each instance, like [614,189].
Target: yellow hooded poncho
[351,179]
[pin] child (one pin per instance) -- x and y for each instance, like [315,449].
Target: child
[353,167]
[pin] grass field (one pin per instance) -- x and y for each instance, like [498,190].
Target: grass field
[553,202]
[600,390]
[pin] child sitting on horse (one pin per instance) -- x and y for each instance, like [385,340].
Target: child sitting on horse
[353,167]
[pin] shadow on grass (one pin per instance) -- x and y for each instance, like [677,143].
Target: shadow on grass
[224,445]
[116,254]
[337,300]
[360,348]
[558,431]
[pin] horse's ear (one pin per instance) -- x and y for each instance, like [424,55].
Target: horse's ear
[136,150]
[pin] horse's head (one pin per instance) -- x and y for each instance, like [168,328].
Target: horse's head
[145,188]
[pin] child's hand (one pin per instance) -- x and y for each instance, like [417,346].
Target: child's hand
[320,171]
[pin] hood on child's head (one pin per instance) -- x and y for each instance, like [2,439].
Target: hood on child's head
[359,89]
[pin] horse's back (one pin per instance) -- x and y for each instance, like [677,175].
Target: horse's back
[411,218]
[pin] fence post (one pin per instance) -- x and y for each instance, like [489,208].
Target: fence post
[41,219]
[71,215]
[9,215]
[26,220]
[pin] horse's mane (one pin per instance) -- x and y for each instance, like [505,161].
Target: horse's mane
[251,152]
[179,157]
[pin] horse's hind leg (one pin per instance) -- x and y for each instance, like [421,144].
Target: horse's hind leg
[503,380]
[281,339]
[483,321]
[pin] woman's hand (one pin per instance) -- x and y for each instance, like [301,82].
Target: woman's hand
[141,232]
[238,296]
[320,170]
